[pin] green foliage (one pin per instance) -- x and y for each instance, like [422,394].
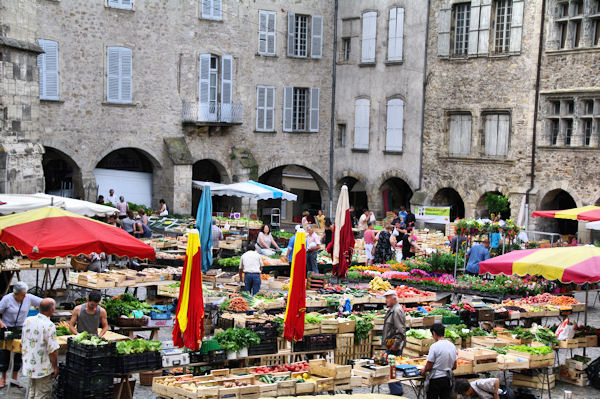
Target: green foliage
[135,207]
[363,327]
[85,339]
[442,262]
[137,346]
[234,339]
[123,305]
[496,204]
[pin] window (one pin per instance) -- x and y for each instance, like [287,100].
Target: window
[300,109]
[395,34]
[212,9]
[502,21]
[122,4]
[497,133]
[342,135]
[555,105]
[569,23]
[395,125]
[461,19]
[265,108]
[47,63]
[568,126]
[214,101]
[554,131]
[346,43]
[587,131]
[562,26]
[369,36]
[298,34]
[570,107]
[119,71]
[362,110]
[588,106]
[266,32]
[576,27]
[596,32]
[460,134]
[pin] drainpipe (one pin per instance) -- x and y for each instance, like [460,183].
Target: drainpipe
[535,112]
[423,102]
[332,130]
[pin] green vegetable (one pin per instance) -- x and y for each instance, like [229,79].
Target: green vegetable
[124,304]
[522,333]
[234,339]
[419,334]
[85,339]
[478,332]
[546,336]
[416,313]
[534,350]
[62,330]
[312,319]
[137,346]
[451,335]
[441,312]
[363,327]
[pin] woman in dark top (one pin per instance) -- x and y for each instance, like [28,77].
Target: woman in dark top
[383,250]
[328,234]
[409,244]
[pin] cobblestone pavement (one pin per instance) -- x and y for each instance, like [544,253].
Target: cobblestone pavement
[558,392]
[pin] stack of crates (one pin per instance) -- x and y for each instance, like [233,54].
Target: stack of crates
[89,370]
[267,332]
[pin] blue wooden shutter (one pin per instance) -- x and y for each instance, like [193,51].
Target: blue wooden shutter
[394,128]
[316,43]
[288,100]
[126,74]
[314,109]
[113,74]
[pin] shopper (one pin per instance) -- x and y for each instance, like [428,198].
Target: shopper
[410,219]
[89,316]
[291,242]
[164,209]
[409,244]
[265,243]
[13,311]
[251,265]
[394,332]
[457,242]
[305,216]
[313,246]
[402,214]
[217,235]
[100,200]
[141,228]
[97,262]
[363,222]
[353,216]
[385,242]
[112,198]
[320,219]
[369,241]
[123,207]
[440,363]
[40,351]
[129,222]
[327,233]
[484,388]
[478,253]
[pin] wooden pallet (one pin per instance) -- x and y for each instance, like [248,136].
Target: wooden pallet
[363,349]
[344,348]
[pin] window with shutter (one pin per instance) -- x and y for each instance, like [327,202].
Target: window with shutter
[516,26]
[395,34]
[48,70]
[369,35]
[288,99]
[212,9]
[316,42]
[461,23]
[362,109]
[266,32]
[394,126]
[122,4]
[460,134]
[445,24]
[485,16]
[226,88]
[119,75]
[314,109]
[265,101]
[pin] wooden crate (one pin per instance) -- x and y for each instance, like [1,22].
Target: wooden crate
[577,365]
[311,329]
[376,371]
[509,362]
[418,346]
[487,342]
[535,361]
[569,343]
[483,359]
[573,376]
[536,381]
[463,369]
[229,393]
[324,385]
[286,388]
[267,390]
[322,368]
[346,326]
[344,348]
[369,379]
[363,349]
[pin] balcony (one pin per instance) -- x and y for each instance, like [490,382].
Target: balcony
[215,114]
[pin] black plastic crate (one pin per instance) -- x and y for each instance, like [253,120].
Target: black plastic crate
[91,351]
[197,357]
[138,362]
[315,342]
[82,383]
[96,365]
[264,331]
[217,356]
[266,347]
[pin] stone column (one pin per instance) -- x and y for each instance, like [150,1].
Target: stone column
[182,189]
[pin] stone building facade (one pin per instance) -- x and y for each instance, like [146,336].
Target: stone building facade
[379,101]
[20,148]
[479,103]
[173,90]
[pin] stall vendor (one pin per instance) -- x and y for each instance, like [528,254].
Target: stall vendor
[441,360]
[13,311]
[394,332]
[483,388]
[251,265]
[89,316]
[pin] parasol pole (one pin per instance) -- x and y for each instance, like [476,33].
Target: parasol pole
[456,256]
[586,310]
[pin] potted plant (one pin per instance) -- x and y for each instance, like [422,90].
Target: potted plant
[245,338]
[227,342]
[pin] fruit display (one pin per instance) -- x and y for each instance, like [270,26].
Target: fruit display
[379,285]
[293,367]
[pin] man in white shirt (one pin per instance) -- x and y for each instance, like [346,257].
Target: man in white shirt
[363,221]
[40,351]
[112,198]
[441,360]
[251,265]
[313,246]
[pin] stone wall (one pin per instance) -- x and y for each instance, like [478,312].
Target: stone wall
[20,151]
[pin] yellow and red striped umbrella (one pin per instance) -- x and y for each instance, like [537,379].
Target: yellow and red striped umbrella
[587,213]
[568,264]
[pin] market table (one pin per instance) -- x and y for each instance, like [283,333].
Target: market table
[129,331]
[48,281]
[135,287]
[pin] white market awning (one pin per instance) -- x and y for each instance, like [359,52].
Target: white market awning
[248,189]
[13,203]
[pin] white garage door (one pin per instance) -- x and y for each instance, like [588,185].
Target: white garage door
[136,187]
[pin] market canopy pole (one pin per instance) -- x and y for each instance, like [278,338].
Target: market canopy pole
[204,226]
[296,300]
[343,237]
[188,330]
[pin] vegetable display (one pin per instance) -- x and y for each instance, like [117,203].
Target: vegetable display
[137,346]
[234,339]
[441,312]
[229,262]
[85,339]
[419,334]
[312,318]
[534,350]
[123,304]
[545,336]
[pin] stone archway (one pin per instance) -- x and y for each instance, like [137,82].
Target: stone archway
[448,196]
[212,171]
[62,175]
[481,208]
[555,200]
[395,193]
[357,193]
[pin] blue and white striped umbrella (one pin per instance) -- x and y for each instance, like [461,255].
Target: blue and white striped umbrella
[247,189]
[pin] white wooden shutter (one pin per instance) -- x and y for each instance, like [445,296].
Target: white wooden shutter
[48,70]
[361,123]
[316,42]
[516,26]
[270,109]
[396,34]
[291,38]
[126,72]
[485,16]
[263,17]
[203,85]
[445,22]
[314,109]
[261,104]
[465,134]
[454,142]
[227,79]
[113,71]
[369,34]
[217,9]
[491,134]
[126,4]
[288,103]
[114,3]
[271,32]
[474,27]
[207,8]
[394,126]
[503,134]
